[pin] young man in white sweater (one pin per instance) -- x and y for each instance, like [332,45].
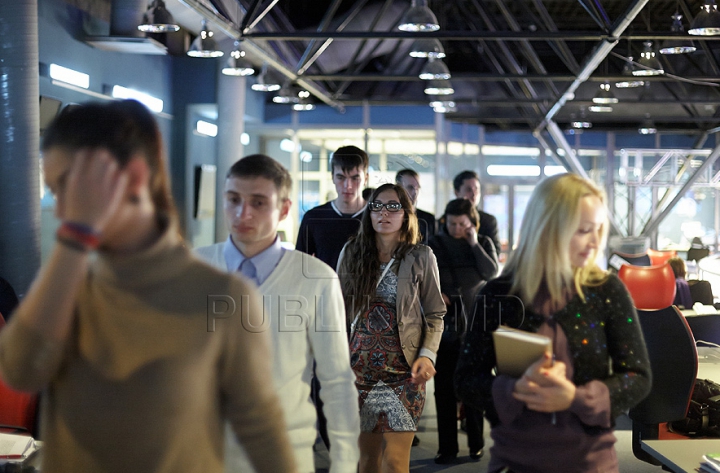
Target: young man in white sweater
[304,311]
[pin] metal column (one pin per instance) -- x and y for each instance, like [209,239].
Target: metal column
[19,144]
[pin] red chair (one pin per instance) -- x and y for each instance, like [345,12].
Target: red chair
[651,287]
[18,410]
[660,257]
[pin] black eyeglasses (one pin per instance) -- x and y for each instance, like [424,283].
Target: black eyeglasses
[377,206]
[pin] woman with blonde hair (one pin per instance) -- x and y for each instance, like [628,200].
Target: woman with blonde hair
[140,369]
[395,310]
[562,409]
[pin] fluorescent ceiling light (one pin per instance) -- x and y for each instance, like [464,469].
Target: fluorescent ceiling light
[600,108]
[206,128]
[553,170]
[153,103]
[493,150]
[63,74]
[514,170]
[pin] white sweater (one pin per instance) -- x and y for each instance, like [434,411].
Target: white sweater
[302,284]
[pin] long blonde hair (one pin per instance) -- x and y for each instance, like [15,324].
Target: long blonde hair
[540,265]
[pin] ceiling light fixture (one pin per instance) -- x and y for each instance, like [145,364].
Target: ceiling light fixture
[439,87]
[286,95]
[707,21]
[444,106]
[157,19]
[435,69]
[582,122]
[304,105]
[628,69]
[265,82]
[605,95]
[237,65]
[600,108]
[419,18]
[648,65]
[427,47]
[204,45]
[677,46]
[647,127]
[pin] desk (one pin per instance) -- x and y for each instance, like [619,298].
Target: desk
[681,456]
[704,327]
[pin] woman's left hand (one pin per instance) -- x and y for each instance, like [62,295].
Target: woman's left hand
[422,370]
[545,389]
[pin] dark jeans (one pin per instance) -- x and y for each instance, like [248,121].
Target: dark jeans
[446,404]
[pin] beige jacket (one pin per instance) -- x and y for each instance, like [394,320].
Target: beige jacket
[420,307]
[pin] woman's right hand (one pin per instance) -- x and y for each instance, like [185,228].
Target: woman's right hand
[544,386]
[94,189]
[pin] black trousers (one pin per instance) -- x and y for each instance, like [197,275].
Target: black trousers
[446,404]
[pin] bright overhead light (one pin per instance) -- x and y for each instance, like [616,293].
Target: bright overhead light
[677,46]
[69,76]
[244,139]
[304,106]
[419,18]
[707,21]
[439,87]
[648,65]
[286,94]
[443,106]
[551,170]
[157,19]
[647,128]
[581,124]
[434,69]
[288,145]
[630,83]
[306,156]
[265,81]
[153,103]
[236,64]
[605,95]
[206,128]
[204,45]
[427,47]
[600,108]
[514,170]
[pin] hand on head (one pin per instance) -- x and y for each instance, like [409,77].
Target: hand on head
[544,386]
[94,188]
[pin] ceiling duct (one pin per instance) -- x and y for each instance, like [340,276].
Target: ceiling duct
[125,16]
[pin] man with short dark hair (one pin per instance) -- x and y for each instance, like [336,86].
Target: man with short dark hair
[409,180]
[325,229]
[304,310]
[467,186]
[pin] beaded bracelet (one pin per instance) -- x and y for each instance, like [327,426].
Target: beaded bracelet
[78,236]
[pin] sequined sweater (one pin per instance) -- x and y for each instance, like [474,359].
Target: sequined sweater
[603,346]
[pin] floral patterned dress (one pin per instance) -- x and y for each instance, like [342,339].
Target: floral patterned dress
[389,400]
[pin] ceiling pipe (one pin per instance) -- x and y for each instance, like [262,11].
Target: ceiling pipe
[229,29]
[465,35]
[594,61]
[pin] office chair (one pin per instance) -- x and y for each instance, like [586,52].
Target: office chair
[696,254]
[651,287]
[660,257]
[701,291]
[674,364]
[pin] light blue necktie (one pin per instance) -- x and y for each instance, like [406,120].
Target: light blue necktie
[247,268]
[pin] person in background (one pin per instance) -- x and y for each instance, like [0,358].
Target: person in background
[409,180]
[467,186]
[683,298]
[367,192]
[464,265]
[8,299]
[395,310]
[256,199]
[326,228]
[560,412]
[138,374]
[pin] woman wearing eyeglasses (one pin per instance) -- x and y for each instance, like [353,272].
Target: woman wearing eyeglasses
[395,309]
